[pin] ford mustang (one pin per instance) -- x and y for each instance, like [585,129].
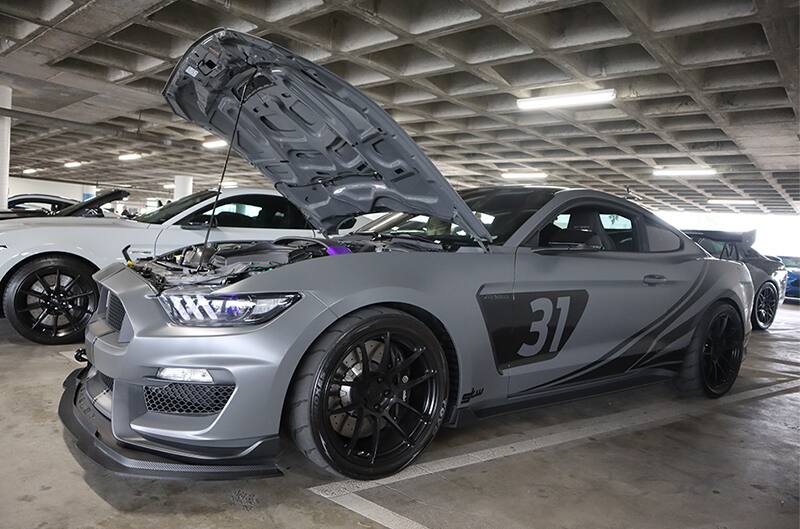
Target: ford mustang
[361,347]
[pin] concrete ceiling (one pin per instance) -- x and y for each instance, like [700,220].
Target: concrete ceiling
[699,82]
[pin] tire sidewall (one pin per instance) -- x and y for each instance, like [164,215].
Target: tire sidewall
[370,326]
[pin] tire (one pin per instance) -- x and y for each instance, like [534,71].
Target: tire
[399,403]
[765,306]
[711,366]
[50,300]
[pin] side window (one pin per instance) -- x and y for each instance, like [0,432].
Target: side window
[661,239]
[253,211]
[590,226]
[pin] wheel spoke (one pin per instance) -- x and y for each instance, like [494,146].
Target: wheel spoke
[345,409]
[71,283]
[40,318]
[387,352]
[57,284]
[406,363]
[362,352]
[44,284]
[376,439]
[342,382]
[388,418]
[410,408]
[32,306]
[356,432]
[74,324]
[35,294]
[77,296]
[417,381]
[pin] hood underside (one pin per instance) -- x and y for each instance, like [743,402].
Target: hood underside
[327,147]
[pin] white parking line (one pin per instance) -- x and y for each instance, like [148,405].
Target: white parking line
[344,492]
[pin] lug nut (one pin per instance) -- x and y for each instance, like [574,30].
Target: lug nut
[404,379]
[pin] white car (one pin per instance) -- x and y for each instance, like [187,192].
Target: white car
[46,264]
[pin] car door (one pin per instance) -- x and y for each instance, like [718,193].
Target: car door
[586,286]
[237,218]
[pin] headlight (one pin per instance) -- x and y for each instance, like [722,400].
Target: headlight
[206,310]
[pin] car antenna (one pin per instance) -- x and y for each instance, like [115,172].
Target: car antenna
[205,254]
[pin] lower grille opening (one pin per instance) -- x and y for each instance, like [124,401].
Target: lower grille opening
[187,399]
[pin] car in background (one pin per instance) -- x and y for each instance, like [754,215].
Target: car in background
[792,265]
[34,205]
[769,274]
[46,263]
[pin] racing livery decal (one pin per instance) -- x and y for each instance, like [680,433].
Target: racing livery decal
[531,327]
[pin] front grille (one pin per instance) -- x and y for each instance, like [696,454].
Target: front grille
[115,312]
[187,399]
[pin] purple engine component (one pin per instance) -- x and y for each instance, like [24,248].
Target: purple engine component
[337,250]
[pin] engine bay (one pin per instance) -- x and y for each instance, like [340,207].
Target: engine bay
[223,263]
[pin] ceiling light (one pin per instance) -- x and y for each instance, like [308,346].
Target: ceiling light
[538,175]
[577,99]
[29,171]
[129,156]
[168,186]
[70,165]
[732,201]
[700,171]
[121,185]
[230,184]
[215,144]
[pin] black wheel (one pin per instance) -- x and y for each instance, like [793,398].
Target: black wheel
[370,394]
[765,306]
[50,300]
[715,355]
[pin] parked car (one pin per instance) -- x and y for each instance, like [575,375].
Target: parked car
[34,205]
[769,275]
[364,345]
[46,264]
[792,265]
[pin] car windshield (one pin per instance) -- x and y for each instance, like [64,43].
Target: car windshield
[167,211]
[791,262]
[501,210]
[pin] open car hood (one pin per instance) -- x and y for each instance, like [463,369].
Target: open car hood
[327,147]
[76,210]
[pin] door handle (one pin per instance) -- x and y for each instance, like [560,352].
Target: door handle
[654,279]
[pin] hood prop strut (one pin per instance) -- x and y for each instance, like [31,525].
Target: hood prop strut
[205,254]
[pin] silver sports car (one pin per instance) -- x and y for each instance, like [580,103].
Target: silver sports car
[361,347]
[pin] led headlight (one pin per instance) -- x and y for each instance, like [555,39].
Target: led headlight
[206,310]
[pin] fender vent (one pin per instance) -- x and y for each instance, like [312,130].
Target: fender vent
[115,312]
[187,399]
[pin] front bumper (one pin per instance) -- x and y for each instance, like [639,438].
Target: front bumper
[94,436]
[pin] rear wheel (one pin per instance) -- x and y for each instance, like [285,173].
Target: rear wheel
[370,394]
[765,306]
[715,355]
[50,300]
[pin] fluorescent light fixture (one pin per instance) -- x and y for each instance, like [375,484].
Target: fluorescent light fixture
[29,171]
[184,374]
[230,183]
[215,144]
[70,165]
[121,185]
[577,99]
[124,199]
[537,175]
[731,201]
[700,171]
[168,186]
[129,156]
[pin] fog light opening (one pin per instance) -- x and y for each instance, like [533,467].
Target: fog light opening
[184,374]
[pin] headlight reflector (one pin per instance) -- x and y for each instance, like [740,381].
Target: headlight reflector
[206,310]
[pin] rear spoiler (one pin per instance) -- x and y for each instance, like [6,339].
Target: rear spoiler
[745,237]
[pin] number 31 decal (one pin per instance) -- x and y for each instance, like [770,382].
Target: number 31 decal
[551,318]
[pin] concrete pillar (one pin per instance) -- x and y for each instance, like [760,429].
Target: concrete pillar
[183,186]
[5,145]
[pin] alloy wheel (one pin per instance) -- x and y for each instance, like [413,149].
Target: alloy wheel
[766,305]
[722,353]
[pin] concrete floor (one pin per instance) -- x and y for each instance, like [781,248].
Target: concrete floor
[640,459]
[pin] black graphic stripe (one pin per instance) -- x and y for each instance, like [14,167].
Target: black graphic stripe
[647,335]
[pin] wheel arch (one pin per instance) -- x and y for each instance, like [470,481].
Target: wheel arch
[43,255]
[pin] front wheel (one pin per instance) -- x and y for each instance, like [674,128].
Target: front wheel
[715,354]
[370,394]
[50,300]
[765,306]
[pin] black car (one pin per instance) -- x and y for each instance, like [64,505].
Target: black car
[769,274]
[34,205]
